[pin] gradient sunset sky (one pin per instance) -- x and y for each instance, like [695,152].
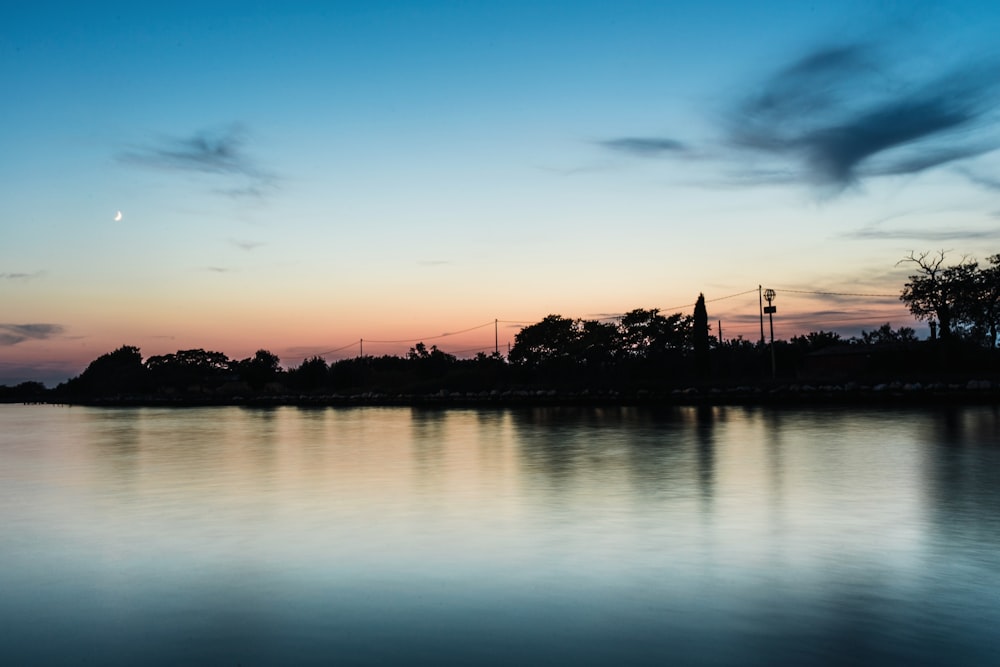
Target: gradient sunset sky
[299,176]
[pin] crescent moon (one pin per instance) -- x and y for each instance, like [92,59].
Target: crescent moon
[118,216]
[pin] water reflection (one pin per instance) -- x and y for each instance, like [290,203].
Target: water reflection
[708,535]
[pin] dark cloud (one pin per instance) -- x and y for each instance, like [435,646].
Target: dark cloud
[838,115]
[12,334]
[645,146]
[841,114]
[221,152]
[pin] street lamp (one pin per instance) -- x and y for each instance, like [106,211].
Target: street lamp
[770,310]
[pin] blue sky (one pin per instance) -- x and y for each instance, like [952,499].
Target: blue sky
[299,176]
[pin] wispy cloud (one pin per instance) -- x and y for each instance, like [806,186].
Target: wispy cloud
[12,334]
[952,234]
[895,226]
[644,146]
[21,276]
[244,244]
[839,115]
[221,152]
[987,182]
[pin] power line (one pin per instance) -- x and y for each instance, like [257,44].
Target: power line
[799,291]
[421,339]
[720,298]
[618,317]
[671,308]
[798,319]
[406,340]
[337,349]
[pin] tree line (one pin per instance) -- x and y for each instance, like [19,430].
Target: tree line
[643,349]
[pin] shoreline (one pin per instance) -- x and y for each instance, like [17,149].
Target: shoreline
[792,394]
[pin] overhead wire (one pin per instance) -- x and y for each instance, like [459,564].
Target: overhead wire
[421,339]
[799,291]
[803,316]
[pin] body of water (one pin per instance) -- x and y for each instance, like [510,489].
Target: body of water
[583,536]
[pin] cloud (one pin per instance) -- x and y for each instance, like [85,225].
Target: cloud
[216,152]
[434,262]
[644,146]
[980,180]
[838,116]
[12,334]
[21,276]
[923,234]
[879,230]
[841,114]
[243,244]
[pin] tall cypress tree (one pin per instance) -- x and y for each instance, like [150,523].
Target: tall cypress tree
[700,333]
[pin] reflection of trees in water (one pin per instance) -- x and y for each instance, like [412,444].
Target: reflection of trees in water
[705,432]
[116,437]
[656,454]
[261,447]
[774,427]
[962,471]
[429,433]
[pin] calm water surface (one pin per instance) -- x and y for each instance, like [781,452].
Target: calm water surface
[711,536]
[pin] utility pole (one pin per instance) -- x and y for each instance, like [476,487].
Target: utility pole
[720,332]
[496,337]
[362,343]
[770,310]
[760,301]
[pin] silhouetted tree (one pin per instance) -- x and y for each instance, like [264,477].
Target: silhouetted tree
[184,370]
[938,291]
[815,340]
[117,372]
[554,338]
[310,375]
[886,335]
[263,367]
[24,391]
[646,334]
[986,317]
[598,344]
[430,364]
[699,329]
[419,351]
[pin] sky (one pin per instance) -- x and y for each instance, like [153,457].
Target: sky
[302,177]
